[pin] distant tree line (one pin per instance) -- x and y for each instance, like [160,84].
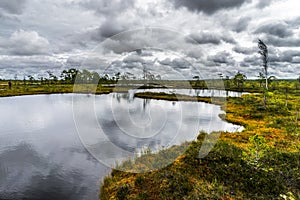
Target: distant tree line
[73,75]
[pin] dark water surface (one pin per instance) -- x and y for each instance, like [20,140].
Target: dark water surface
[50,145]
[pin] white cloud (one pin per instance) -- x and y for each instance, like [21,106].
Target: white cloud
[25,43]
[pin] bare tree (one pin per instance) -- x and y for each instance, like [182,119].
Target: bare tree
[261,78]
[263,51]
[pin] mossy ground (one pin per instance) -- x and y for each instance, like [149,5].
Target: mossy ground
[19,88]
[228,171]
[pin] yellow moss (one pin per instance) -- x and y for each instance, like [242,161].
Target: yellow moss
[178,161]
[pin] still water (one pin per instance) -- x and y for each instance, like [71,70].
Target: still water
[61,146]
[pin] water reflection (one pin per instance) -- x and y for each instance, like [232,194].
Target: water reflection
[127,124]
[42,156]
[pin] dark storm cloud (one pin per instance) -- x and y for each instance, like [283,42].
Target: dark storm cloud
[204,38]
[166,61]
[110,10]
[133,59]
[254,60]
[208,7]
[74,61]
[133,40]
[277,59]
[242,24]
[263,3]
[108,7]
[209,38]
[278,29]
[195,53]
[181,64]
[228,38]
[223,57]
[109,28]
[176,63]
[282,42]
[120,46]
[289,56]
[12,6]
[244,50]
[244,64]
[152,38]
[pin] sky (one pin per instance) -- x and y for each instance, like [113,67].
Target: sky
[176,39]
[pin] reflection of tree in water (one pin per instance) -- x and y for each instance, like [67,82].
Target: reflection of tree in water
[119,96]
[197,92]
[145,104]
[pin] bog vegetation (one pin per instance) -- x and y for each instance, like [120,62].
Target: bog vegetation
[262,162]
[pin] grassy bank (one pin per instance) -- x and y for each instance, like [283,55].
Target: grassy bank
[171,97]
[262,162]
[34,89]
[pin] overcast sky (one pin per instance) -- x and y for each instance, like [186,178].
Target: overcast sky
[173,38]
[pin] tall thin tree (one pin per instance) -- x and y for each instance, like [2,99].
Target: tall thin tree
[263,51]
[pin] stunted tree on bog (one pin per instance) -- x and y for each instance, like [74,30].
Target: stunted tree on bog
[263,51]
[239,80]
